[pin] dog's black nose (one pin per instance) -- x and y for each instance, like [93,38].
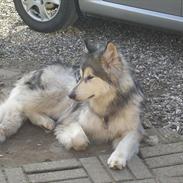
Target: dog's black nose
[72,95]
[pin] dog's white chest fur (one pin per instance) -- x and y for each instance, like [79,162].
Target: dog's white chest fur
[97,129]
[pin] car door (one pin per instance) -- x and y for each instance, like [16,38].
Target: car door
[173,7]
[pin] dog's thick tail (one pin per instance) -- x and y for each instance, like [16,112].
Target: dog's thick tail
[11,118]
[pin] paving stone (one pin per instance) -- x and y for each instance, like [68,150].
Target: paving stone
[2,178]
[117,175]
[161,149]
[171,180]
[141,181]
[167,135]
[51,166]
[85,180]
[57,175]
[138,168]
[165,160]
[15,175]
[95,170]
[169,171]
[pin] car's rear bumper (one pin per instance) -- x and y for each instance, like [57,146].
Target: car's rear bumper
[103,8]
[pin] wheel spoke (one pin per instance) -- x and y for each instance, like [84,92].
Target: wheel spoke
[56,2]
[29,4]
[43,13]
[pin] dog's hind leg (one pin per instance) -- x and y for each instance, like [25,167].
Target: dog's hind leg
[11,118]
[41,120]
[126,148]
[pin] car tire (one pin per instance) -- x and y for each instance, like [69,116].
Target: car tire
[65,16]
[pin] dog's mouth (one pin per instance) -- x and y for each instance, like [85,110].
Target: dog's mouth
[91,96]
[79,100]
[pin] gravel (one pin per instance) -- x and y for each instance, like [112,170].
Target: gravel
[155,56]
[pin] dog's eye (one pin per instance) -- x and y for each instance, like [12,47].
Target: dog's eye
[89,77]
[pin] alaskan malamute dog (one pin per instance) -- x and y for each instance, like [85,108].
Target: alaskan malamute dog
[104,105]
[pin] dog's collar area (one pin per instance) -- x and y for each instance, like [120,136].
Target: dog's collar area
[118,103]
[104,118]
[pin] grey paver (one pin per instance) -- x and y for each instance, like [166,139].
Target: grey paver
[138,168]
[165,169]
[15,175]
[141,181]
[50,166]
[176,170]
[2,178]
[84,180]
[117,175]
[161,149]
[57,175]
[167,135]
[165,160]
[171,180]
[95,170]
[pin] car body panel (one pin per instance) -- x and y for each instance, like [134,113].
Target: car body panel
[163,6]
[124,12]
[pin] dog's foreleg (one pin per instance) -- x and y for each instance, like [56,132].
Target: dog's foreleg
[11,118]
[41,120]
[126,148]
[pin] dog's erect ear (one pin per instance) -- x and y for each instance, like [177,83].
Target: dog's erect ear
[91,46]
[111,62]
[111,56]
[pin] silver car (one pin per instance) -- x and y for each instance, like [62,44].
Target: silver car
[51,15]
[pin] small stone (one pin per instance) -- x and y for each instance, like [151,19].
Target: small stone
[180,131]
[1,84]
[174,127]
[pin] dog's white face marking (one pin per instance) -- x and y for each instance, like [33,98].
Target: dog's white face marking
[90,86]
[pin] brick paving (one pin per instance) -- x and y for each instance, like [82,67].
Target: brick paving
[162,163]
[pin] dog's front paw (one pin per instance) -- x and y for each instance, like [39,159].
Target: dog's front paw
[116,161]
[80,144]
[2,135]
[49,125]
[72,136]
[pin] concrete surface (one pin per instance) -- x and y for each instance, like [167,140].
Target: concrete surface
[140,169]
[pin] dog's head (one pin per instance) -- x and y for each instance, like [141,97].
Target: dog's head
[100,71]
